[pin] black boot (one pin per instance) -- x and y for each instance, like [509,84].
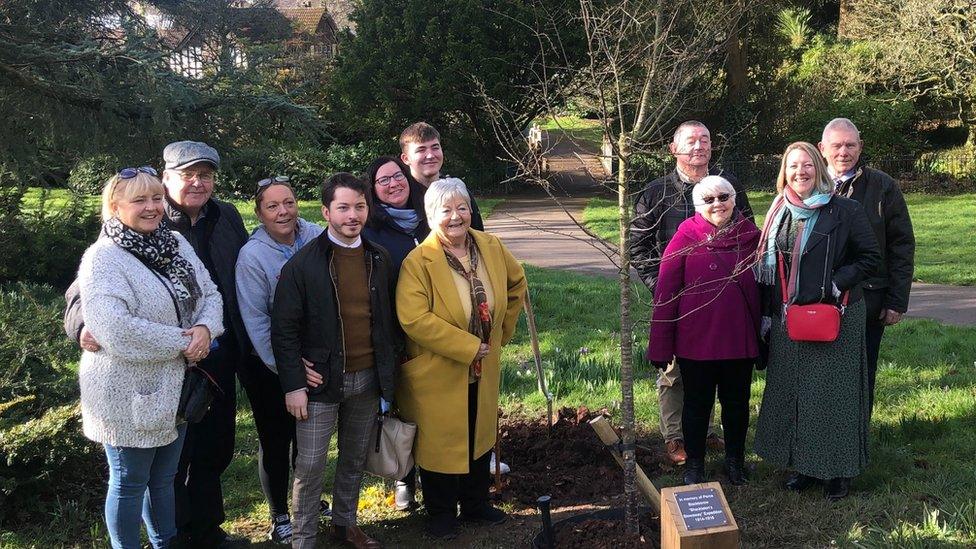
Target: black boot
[837,489]
[694,471]
[798,482]
[735,470]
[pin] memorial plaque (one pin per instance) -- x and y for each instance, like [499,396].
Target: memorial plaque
[701,509]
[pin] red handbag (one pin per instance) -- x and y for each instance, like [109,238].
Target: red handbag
[816,322]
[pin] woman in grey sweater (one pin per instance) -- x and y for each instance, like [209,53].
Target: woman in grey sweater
[279,236]
[151,305]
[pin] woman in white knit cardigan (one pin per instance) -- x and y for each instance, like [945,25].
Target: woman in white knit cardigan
[150,304]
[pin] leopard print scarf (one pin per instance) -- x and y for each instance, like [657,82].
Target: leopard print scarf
[159,250]
[479,323]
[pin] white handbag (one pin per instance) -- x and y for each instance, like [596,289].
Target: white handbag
[390,453]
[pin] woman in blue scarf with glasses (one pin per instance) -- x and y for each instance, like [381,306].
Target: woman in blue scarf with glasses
[396,218]
[815,247]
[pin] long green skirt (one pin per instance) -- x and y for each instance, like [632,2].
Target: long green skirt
[815,409]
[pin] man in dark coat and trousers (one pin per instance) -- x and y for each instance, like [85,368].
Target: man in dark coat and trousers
[886,291]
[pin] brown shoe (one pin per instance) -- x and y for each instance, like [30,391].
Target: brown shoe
[715,442]
[676,451]
[353,536]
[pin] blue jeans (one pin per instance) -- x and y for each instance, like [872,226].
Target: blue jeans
[131,472]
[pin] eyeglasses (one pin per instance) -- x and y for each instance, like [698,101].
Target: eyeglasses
[276,179]
[721,198]
[399,177]
[206,177]
[129,173]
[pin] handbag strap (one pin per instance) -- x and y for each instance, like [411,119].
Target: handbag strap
[782,278]
[782,281]
[172,295]
[379,431]
[206,374]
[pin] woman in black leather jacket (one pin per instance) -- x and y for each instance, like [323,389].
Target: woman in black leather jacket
[815,248]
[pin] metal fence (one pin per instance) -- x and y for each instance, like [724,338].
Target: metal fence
[927,172]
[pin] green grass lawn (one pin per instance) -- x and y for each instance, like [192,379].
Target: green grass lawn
[944,230]
[579,129]
[918,491]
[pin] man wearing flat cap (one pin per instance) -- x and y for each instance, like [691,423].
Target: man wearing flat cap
[216,231]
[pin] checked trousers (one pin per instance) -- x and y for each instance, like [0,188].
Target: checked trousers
[353,417]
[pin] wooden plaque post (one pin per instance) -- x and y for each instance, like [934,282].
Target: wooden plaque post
[688,515]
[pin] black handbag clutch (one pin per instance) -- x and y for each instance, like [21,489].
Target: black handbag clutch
[196,395]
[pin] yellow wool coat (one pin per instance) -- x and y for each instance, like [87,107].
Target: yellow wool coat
[432,386]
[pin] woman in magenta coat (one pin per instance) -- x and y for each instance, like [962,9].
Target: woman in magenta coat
[706,314]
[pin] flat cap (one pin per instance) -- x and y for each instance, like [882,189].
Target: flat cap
[181,154]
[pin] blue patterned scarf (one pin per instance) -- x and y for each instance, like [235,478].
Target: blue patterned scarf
[805,210]
[406,219]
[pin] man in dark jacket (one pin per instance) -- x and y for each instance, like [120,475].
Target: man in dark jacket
[885,291]
[663,205]
[333,314]
[216,231]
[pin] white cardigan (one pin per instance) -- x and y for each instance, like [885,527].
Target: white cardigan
[130,389]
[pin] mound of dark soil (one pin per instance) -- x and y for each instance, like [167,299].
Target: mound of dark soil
[572,465]
[606,534]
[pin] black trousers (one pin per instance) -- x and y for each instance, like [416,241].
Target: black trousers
[873,332]
[443,492]
[276,431]
[732,378]
[207,451]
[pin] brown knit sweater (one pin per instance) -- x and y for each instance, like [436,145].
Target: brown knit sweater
[354,307]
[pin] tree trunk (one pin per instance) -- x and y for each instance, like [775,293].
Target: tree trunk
[737,116]
[843,17]
[736,66]
[626,340]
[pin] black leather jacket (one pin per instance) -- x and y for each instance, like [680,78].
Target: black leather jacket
[305,320]
[841,250]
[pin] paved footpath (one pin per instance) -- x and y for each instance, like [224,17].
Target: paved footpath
[538,232]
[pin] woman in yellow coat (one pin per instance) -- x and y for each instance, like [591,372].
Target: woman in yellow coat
[458,299]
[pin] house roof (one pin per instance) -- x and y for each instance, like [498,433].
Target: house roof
[308,20]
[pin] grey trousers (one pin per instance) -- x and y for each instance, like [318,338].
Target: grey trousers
[670,399]
[354,417]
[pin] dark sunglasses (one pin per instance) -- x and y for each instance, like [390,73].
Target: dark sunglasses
[276,179]
[129,173]
[721,198]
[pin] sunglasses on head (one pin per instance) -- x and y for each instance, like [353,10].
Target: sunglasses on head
[276,179]
[129,173]
[721,198]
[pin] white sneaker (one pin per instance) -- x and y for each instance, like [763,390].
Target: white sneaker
[503,467]
[324,510]
[280,529]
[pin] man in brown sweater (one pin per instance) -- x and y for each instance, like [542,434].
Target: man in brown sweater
[335,341]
